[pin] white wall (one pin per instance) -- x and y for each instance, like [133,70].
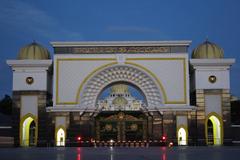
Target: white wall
[207,67]
[60,121]
[29,104]
[222,81]
[37,69]
[182,120]
[170,69]
[213,104]
[19,80]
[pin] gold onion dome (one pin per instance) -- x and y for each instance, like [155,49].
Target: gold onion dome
[33,51]
[207,50]
[119,89]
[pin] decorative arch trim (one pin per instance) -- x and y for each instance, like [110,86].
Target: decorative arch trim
[155,78]
[221,126]
[104,76]
[88,77]
[28,115]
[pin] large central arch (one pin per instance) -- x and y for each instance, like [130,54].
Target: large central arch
[120,73]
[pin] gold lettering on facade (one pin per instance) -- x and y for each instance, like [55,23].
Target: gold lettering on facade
[128,49]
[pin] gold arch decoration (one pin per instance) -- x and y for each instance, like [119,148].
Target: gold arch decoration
[101,72]
[77,98]
[184,101]
[221,126]
[89,75]
[28,115]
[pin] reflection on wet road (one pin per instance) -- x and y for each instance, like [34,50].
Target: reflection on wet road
[118,153]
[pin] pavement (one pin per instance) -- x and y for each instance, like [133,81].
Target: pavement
[118,153]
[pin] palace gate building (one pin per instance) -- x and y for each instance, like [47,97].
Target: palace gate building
[121,91]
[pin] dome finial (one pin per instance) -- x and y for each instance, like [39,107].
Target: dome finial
[34,42]
[207,39]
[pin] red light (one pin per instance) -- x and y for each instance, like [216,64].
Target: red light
[78,138]
[164,138]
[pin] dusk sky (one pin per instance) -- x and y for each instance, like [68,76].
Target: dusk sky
[22,21]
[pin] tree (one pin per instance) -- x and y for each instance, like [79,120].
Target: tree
[6,105]
[235,112]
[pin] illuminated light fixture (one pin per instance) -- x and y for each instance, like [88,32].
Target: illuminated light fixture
[92,140]
[164,138]
[79,138]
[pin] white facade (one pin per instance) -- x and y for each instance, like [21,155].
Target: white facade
[204,68]
[161,70]
[38,70]
[168,71]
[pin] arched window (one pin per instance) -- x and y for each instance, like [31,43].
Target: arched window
[60,139]
[214,130]
[182,136]
[28,132]
[32,129]
[210,132]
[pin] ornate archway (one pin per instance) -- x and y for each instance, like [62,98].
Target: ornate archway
[120,73]
[60,136]
[214,129]
[182,135]
[28,130]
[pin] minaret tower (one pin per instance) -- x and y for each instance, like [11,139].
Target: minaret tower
[210,83]
[31,92]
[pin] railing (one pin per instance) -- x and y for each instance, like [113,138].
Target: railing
[144,143]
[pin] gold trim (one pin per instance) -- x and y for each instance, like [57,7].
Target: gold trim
[28,115]
[221,125]
[143,59]
[184,101]
[77,59]
[154,76]
[89,75]
[86,59]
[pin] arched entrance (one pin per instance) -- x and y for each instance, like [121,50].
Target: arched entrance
[121,126]
[108,124]
[121,117]
[182,136]
[214,134]
[28,130]
[60,137]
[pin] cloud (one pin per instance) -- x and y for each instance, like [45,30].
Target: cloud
[131,29]
[21,16]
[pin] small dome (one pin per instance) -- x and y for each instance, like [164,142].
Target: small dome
[207,50]
[33,51]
